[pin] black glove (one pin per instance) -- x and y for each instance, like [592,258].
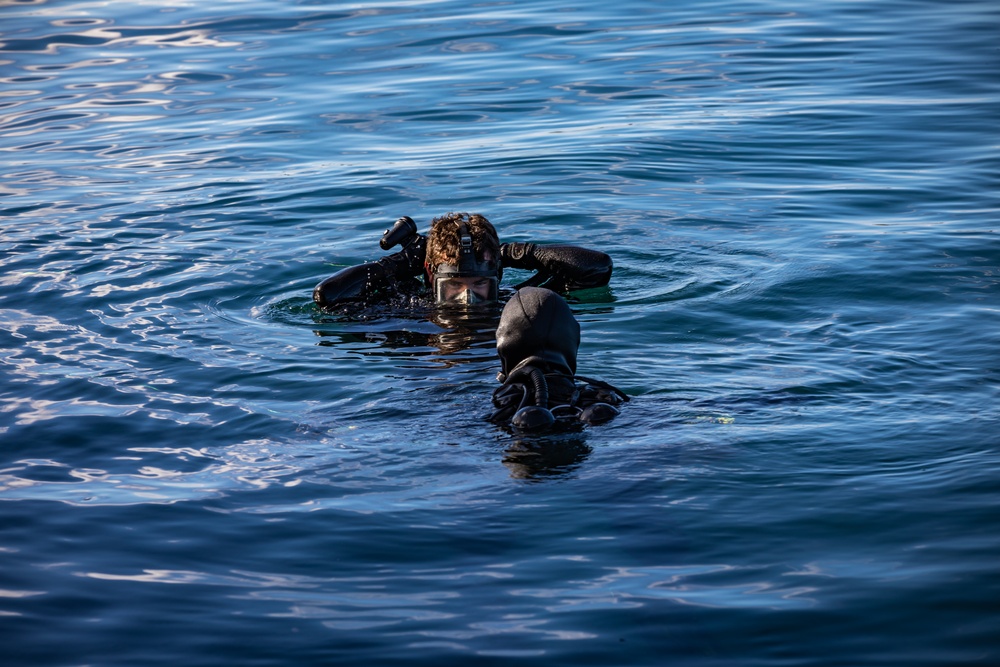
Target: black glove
[409,261]
[560,267]
[519,256]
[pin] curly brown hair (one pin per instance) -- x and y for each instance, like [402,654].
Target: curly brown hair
[443,239]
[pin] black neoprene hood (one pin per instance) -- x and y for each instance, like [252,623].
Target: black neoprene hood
[538,323]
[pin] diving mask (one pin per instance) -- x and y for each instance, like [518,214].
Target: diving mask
[471,282]
[465,290]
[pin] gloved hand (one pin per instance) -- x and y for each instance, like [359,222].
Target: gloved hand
[409,261]
[560,267]
[519,256]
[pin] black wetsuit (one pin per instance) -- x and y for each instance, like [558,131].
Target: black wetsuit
[561,268]
[537,342]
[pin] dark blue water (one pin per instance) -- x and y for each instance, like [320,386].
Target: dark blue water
[199,468]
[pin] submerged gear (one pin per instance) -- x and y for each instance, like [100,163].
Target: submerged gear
[472,281]
[537,342]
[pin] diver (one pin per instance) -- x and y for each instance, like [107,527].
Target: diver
[537,342]
[460,262]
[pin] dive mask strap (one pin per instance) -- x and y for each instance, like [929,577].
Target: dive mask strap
[466,257]
[468,265]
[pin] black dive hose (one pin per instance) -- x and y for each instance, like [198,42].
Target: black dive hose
[537,416]
[541,387]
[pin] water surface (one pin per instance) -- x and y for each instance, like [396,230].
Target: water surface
[198,467]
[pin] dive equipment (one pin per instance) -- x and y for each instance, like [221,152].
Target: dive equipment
[472,281]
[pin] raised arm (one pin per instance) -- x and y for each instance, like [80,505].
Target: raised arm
[372,282]
[562,268]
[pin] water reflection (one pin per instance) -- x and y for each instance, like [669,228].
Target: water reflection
[412,331]
[538,458]
[462,329]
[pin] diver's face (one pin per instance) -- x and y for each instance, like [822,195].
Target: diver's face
[465,290]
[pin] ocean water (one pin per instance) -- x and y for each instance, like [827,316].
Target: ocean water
[197,467]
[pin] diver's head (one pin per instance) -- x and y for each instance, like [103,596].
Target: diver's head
[463,260]
[538,327]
